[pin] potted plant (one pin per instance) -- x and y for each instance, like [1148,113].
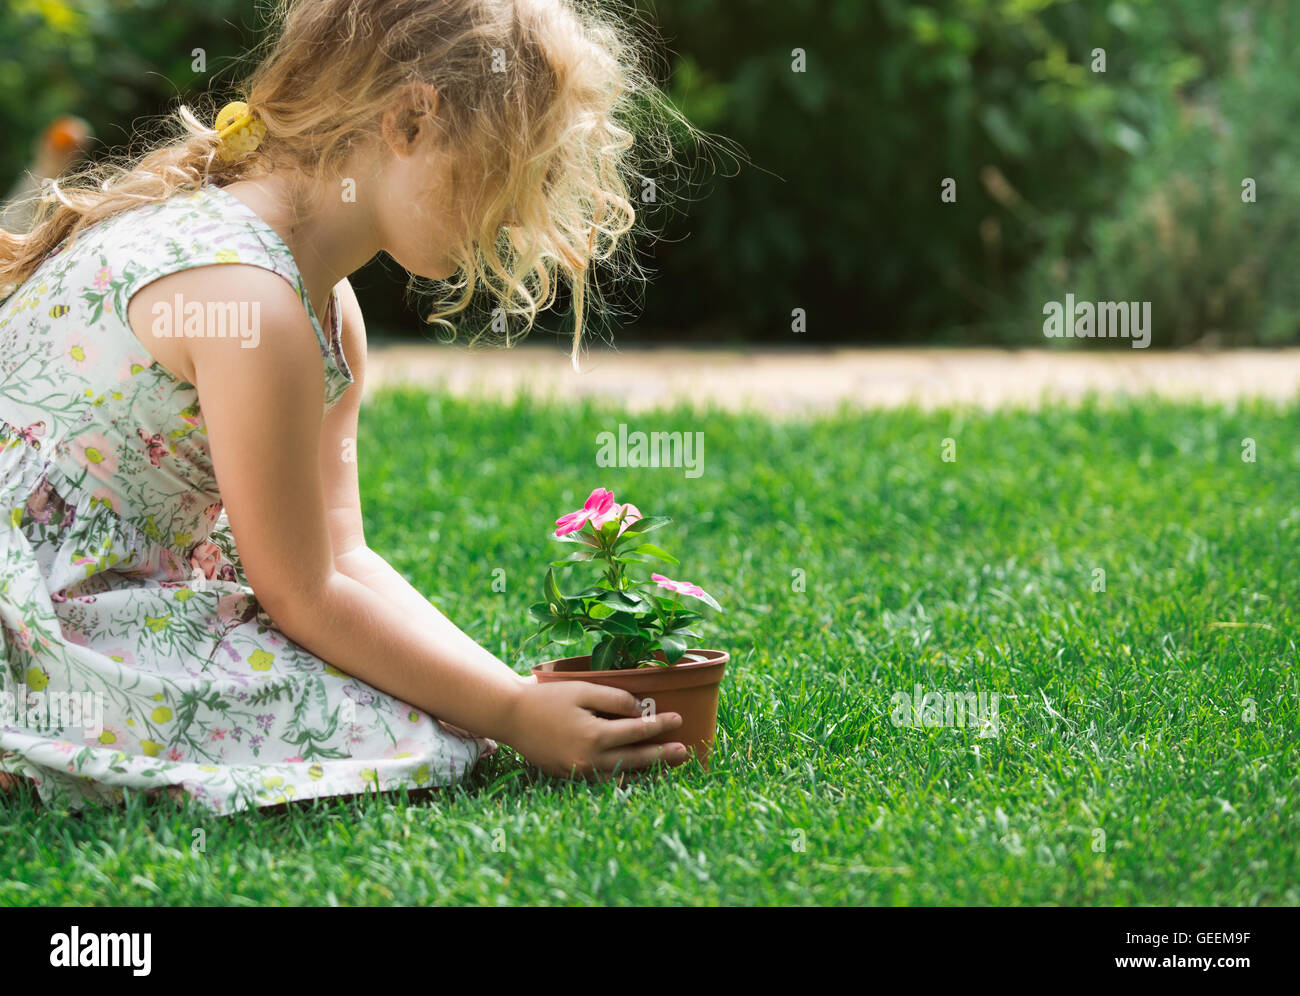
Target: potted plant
[641,626]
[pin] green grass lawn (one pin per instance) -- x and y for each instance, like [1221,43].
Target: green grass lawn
[1147,744]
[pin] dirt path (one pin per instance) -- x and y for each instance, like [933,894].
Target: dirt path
[792,382]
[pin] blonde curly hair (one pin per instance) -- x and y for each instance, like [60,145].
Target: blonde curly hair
[548,105]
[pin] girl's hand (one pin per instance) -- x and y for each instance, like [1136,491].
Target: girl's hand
[554,727]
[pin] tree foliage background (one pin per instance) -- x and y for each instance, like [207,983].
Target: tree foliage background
[1118,185]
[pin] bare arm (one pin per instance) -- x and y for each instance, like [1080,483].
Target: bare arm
[263,408]
[339,461]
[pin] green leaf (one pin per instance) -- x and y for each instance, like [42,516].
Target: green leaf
[638,602]
[645,525]
[567,631]
[650,550]
[708,600]
[634,558]
[673,646]
[541,611]
[621,600]
[604,655]
[679,619]
[620,623]
[577,557]
[552,592]
[581,536]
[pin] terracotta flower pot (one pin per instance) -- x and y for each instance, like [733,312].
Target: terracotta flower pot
[690,689]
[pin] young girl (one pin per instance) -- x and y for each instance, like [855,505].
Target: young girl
[187,600]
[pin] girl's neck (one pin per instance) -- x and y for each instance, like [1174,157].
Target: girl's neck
[329,240]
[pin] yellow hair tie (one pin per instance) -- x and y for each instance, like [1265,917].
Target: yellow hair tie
[239,131]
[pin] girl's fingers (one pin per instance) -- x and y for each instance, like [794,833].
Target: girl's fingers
[602,698]
[641,756]
[618,732]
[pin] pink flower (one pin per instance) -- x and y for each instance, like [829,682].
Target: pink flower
[206,557]
[133,364]
[682,587]
[94,451]
[78,348]
[103,277]
[629,512]
[44,503]
[598,505]
[24,637]
[154,445]
[406,747]
[122,656]
[234,608]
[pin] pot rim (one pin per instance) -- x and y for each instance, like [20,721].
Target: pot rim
[715,657]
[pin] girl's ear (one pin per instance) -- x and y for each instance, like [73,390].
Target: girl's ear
[411,115]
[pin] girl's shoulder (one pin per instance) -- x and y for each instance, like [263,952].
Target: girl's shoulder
[201,228]
[210,227]
[122,254]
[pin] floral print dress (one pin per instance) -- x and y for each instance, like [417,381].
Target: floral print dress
[133,653]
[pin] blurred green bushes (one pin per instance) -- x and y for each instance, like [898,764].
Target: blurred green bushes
[1122,185]
[113,62]
[1205,223]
